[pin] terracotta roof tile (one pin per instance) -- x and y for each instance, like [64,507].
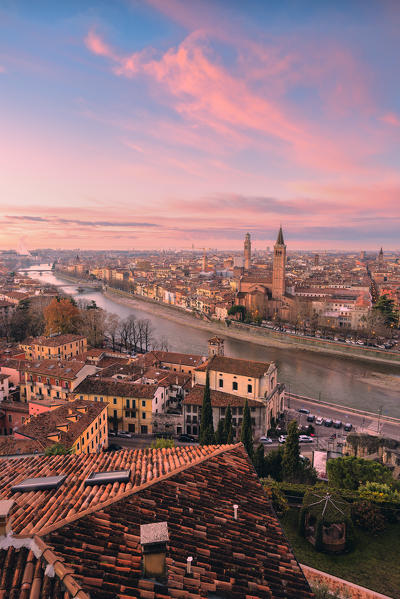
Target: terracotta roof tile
[218,398]
[235,366]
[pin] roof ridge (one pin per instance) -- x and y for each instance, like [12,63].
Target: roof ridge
[99,506]
[65,575]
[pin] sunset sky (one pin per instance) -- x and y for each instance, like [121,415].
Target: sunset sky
[134,124]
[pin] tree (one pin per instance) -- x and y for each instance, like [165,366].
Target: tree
[57,449]
[228,431]
[93,324]
[258,460]
[220,434]
[239,312]
[112,328]
[246,435]
[291,454]
[62,316]
[19,325]
[162,444]
[386,307]
[273,464]
[350,472]
[207,436]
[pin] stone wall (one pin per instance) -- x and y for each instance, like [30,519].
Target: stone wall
[344,588]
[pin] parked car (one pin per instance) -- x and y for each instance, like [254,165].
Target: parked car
[186,438]
[111,434]
[282,439]
[304,411]
[337,424]
[319,420]
[113,447]
[305,439]
[265,439]
[328,422]
[124,434]
[310,418]
[348,426]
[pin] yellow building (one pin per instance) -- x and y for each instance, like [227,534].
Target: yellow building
[130,405]
[57,347]
[79,426]
[53,379]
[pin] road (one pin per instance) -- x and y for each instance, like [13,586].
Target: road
[362,423]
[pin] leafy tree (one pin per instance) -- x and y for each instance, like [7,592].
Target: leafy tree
[350,472]
[19,325]
[259,461]
[207,436]
[220,434]
[273,464]
[228,430]
[246,436]
[93,324]
[238,312]
[162,444]
[386,307]
[291,454]
[62,316]
[57,449]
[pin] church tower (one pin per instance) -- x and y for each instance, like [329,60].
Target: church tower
[247,252]
[279,268]
[380,257]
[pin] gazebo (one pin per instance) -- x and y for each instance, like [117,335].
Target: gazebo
[325,521]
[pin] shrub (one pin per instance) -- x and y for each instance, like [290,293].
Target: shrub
[162,443]
[322,591]
[378,492]
[368,517]
[276,495]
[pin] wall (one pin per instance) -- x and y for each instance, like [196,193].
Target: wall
[343,587]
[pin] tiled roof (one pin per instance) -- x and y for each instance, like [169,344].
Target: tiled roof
[235,366]
[41,425]
[54,341]
[219,399]
[10,446]
[99,554]
[112,387]
[65,369]
[176,358]
[36,509]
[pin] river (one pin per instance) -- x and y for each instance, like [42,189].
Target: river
[309,373]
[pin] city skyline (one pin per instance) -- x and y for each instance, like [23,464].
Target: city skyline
[144,125]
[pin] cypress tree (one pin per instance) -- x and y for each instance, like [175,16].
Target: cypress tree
[246,436]
[220,434]
[228,431]
[207,436]
[259,460]
[291,453]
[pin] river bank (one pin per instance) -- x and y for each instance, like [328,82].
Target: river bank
[257,335]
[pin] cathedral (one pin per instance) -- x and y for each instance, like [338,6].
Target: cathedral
[261,292]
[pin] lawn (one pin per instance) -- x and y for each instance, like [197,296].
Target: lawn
[373,563]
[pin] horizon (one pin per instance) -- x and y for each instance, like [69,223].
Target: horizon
[160,123]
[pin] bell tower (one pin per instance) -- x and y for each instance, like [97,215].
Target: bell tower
[247,252]
[279,268]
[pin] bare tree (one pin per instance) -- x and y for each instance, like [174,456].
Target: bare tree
[112,329]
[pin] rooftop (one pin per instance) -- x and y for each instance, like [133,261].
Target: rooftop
[53,341]
[113,387]
[97,551]
[235,366]
[219,399]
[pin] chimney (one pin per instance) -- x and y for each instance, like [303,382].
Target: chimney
[235,511]
[153,539]
[5,516]
[189,565]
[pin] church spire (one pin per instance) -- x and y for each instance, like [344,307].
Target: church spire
[280,241]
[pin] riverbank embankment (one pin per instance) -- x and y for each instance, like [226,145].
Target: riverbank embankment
[252,333]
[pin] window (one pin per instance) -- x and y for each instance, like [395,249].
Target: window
[143,415]
[234,386]
[114,401]
[128,403]
[143,429]
[221,383]
[9,418]
[143,404]
[249,388]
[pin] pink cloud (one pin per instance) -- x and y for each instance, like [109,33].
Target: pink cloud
[391,119]
[97,45]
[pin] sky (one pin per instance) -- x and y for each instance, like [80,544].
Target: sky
[134,124]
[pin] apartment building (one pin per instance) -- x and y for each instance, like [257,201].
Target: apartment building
[55,347]
[53,379]
[80,426]
[129,404]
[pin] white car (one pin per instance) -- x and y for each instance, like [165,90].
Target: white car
[264,439]
[124,434]
[305,439]
[282,439]
[319,420]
